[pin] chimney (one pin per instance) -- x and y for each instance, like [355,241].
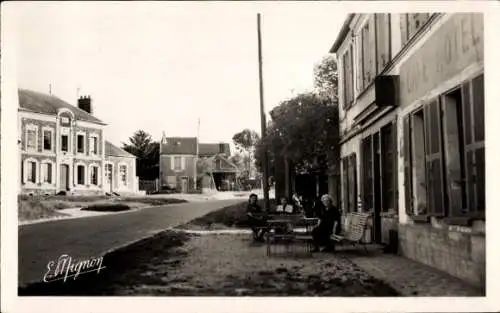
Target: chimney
[85,103]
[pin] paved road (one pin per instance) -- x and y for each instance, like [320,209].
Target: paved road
[89,237]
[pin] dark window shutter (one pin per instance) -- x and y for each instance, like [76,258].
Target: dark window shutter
[434,160]
[345,183]
[407,165]
[344,82]
[473,112]
[353,187]
[367,179]
[395,165]
[359,73]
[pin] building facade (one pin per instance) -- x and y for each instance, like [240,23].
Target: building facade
[180,158]
[411,94]
[62,147]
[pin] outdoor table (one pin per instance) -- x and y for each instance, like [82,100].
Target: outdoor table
[289,235]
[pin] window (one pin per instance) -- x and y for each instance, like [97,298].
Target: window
[178,163]
[31,139]
[108,172]
[451,181]
[31,171]
[47,173]
[123,175]
[64,143]
[410,23]
[80,175]
[93,175]
[47,140]
[80,139]
[65,121]
[368,51]
[93,145]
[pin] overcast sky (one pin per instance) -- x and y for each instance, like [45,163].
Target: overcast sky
[161,66]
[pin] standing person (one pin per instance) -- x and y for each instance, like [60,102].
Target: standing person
[257,217]
[329,222]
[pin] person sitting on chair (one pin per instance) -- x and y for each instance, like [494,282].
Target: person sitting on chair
[329,222]
[256,218]
[284,207]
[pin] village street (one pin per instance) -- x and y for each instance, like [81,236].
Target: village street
[90,237]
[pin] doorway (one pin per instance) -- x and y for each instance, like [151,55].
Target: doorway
[377,194]
[64,177]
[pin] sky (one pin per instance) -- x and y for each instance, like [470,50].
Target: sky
[161,66]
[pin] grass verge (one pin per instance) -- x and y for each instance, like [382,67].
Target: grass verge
[33,209]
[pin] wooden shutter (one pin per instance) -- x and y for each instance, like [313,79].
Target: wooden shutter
[403,25]
[473,113]
[434,159]
[407,165]
[372,53]
[345,183]
[395,164]
[367,179]
[383,48]
[344,81]
[352,183]
[351,73]
[359,70]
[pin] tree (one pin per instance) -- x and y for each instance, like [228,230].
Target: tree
[326,78]
[147,153]
[246,141]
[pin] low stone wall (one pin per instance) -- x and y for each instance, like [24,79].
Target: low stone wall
[461,252]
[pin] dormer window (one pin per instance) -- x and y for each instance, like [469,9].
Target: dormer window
[65,121]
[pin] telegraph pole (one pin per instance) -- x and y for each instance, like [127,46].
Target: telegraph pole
[265,170]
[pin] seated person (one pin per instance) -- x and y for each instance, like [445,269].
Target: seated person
[284,207]
[329,216]
[256,218]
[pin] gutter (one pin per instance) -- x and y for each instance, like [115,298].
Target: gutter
[342,34]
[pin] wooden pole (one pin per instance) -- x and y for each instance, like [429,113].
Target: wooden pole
[265,170]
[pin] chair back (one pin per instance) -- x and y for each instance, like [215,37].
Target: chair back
[357,225]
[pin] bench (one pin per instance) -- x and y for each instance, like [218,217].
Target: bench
[355,230]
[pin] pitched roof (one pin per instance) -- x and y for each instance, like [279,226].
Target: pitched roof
[226,164]
[179,145]
[36,102]
[207,149]
[342,33]
[112,150]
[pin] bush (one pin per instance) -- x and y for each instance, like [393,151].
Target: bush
[112,207]
[33,209]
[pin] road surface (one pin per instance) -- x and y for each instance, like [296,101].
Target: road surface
[90,237]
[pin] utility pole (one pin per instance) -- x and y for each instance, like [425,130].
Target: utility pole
[197,154]
[265,170]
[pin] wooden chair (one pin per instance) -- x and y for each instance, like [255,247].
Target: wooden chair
[355,231]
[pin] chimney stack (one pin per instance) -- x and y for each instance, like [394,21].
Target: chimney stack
[85,103]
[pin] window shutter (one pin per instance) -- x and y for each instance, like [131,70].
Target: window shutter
[407,165]
[395,167]
[183,163]
[359,70]
[383,34]
[345,183]
[172,161]
[353,187]
[344,81]
[434,160]
[403,25]
[371,49]
[473,113]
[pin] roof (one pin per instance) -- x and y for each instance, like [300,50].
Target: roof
[112,150]
[179,145]
[207,149]
[226,165]
[342,34]
[36,102]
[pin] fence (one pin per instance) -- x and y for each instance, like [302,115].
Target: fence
[149,186]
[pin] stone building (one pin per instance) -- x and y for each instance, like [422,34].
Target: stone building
[411,94]
[63,148]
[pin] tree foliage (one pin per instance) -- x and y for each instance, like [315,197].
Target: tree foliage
[304,130]
[147,152]
[326,78]
[246,142]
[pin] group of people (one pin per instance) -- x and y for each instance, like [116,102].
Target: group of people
[327,213]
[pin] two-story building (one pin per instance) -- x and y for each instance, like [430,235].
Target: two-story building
[63,148]
[183,161]
[411,95]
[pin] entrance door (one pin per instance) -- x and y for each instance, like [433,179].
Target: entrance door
[64,179]
[184,185]
[377,205]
